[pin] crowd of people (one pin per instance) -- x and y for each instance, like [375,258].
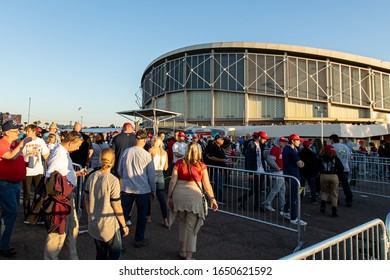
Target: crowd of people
[120,172]
[130,169]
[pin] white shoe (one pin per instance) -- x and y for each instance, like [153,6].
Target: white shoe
[285,215]
[128,223]
[301,222]
[269,208]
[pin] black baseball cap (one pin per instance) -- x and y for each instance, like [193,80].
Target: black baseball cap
[11,124]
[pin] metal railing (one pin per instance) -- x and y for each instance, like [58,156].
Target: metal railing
[78,192]
[242,193]
[369,241]
[370,175]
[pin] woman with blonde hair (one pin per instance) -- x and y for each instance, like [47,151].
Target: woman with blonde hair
[105,214]
[185,197]
[160,159]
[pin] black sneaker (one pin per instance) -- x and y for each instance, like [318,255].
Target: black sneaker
[142,243]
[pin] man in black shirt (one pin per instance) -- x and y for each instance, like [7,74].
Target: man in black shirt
[217,157]
[121,142]
[83,155]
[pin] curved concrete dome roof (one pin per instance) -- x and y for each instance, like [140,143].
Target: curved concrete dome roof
[290,49]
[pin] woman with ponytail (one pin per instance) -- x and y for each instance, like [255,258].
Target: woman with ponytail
[106,223]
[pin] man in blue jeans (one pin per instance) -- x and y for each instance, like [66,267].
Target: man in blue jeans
[12,172]
[136,168]
[291,165]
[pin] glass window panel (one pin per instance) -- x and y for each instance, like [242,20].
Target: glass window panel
[251,73]
[302,78]
[279,75]
[292,77]
[365,87]
[260,75]
[312,79]
[321,80]
[346,87]
[232,83]
[240,70]
[336,83]
[355,86]
[386,91]
[378,90]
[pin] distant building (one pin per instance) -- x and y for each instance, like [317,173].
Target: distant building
[231,84]
[7,116]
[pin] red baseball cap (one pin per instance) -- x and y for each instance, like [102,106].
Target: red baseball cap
[306,143]
[195,137]
[127,124]
[263,135]
[181,134]
[282,139]
[294,137]
[330,148]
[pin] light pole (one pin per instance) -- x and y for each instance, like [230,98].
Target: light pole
[321,111]
[78,114]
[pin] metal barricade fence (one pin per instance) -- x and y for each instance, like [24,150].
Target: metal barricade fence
[370,175]
[369,241]
[242,193]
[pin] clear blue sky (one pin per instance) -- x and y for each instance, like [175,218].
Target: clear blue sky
[91,53]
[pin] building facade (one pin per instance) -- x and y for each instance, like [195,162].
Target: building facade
[258,83]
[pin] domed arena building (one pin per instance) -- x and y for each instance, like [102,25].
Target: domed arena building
[259,83]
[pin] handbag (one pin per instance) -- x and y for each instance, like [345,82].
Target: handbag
[204,200]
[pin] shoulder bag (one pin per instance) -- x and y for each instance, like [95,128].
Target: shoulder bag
[204,200]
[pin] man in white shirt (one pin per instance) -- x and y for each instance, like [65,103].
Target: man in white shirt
[179,148]
[344,154]
[60,161]
[34,153]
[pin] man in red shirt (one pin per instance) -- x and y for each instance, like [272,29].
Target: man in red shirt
[275,164]
[12,172]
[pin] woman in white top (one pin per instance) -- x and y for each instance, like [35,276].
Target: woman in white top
[160,159]
[98,146]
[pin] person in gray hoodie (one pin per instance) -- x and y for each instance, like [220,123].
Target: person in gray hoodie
[275,163]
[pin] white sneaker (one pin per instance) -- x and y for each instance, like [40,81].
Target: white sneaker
[285,215]
[269,208]
[301,222]
[128,223]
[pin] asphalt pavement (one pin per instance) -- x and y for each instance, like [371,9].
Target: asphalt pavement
[223,236]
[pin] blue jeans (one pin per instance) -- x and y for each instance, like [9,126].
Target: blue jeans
[9,201]
[343,178]
[311,181]
[110,250]
[292,197]
[160,186]
[217,176]
[142,202]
